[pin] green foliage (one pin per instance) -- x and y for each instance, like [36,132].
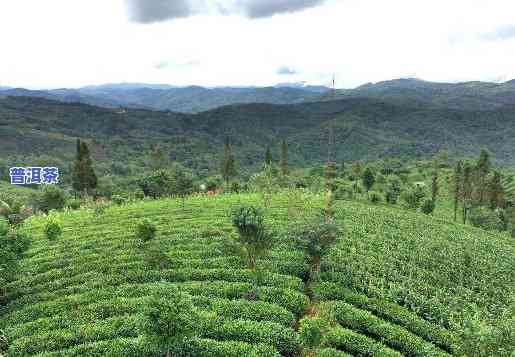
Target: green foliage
[428,206]
[228,167]
[368,179]
[311,330]
[413,197]
[53,228]
[119,200]
[484,218]
[145,230]
[158,184]
[84,178]
[12,246]
[50,197]
[170,318]
[285,170]
[392,335]
[403,268]
[268,156]
[73,203]
[357,344]
[375,197]
[315,238]
[252,235]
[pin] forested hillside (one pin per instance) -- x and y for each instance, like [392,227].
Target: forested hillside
[363,129]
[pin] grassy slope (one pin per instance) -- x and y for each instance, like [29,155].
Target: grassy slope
[83,294]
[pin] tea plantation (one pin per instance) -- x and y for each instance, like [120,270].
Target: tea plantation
[396,283]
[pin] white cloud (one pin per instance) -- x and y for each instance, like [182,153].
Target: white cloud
[59,43]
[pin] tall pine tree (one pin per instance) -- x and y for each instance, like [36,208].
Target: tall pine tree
[284,158]
[228,167]
[496,191]
[482,170]
[84,179]
[434,185]
[466,190]
[268,156]
[458,181]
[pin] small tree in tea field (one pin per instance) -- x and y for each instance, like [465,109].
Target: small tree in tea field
[315,238]
[368,179]
[311,330]
[146,230]
[53,228]
[170,318]
[252,235]
[183,184]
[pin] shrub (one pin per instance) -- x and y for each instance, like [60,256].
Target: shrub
[413,197]
[73,203]
[375,197]
[52,228]
[158,184]
[118,200]
[138,194]
[310,332]
[146,230]
[391,197]
[170,318]
[482,217]
[12,246]
[50,197]
[428,206]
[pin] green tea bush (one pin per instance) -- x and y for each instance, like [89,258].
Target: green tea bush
[331,352]
[359,345]
[53,228]
[270,333]
[310,332]
[169,318]
[392,335]
[390,312]
[145,230]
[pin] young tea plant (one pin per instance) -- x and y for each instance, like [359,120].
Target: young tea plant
[146,230]
[53,228]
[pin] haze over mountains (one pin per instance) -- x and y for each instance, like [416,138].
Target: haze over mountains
[191,99]
[194,99]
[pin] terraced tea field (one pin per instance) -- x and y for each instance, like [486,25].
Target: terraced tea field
[393,284]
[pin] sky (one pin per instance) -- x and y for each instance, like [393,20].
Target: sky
[64,43]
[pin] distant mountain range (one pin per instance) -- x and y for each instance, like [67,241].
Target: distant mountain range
[191,99]
[195,99]
[466,95]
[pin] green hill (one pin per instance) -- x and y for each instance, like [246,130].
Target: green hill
[397,283]
[364,129]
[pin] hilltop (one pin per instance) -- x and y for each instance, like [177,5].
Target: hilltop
[465,95]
